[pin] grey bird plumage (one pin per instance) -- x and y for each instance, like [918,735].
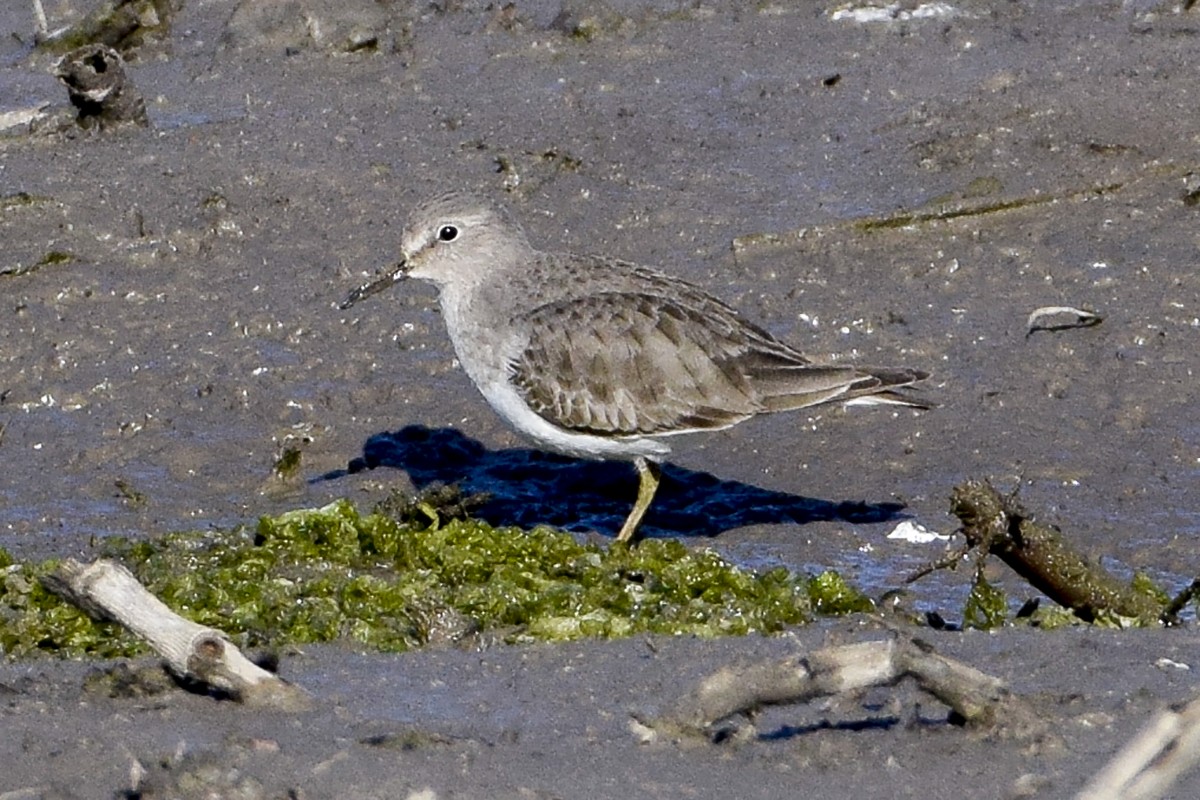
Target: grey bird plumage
[596,357]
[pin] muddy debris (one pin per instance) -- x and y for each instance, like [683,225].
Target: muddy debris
[996,524]
[100,90]
[123,25]
[339,26]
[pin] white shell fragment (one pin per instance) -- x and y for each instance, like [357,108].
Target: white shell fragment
[916,533]
[893,12]
[1075,318]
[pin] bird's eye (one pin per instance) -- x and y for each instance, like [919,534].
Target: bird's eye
[447,233]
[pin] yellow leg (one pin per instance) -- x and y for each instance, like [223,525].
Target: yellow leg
[649,473]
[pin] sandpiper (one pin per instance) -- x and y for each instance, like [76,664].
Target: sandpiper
[594,357]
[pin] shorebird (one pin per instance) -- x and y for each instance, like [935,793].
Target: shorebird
[595,357]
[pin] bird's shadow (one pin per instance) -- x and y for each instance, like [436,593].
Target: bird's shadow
[526,487]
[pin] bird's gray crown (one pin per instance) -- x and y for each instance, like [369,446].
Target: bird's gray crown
[458,237]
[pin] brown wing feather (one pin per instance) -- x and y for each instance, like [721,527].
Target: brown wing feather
[630,364]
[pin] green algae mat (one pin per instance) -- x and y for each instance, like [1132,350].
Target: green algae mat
[401,578]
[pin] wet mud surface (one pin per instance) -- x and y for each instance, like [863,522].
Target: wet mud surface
[169,326]
[554,721]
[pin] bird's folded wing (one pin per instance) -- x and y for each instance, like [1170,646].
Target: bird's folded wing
[631,364]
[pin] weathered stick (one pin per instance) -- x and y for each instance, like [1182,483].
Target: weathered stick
[1148,766]
[40,25]
[999,525]
[981,700]
[106,590]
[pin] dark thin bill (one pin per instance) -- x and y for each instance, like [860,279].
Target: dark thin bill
[374,286]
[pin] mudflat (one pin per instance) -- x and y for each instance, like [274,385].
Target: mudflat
[904,190]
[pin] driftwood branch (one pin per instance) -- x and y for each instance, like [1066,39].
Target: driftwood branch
[1148,766]
[997,524]
[979,700]
[106,590]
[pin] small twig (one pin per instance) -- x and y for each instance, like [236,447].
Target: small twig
[1147,767]
[1170,615]
[106,590]
[40,25]
[948,561]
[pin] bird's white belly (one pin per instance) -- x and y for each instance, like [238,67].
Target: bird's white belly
[508,403]
[484,351]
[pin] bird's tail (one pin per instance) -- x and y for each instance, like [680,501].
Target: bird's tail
[885,386]
[802,385]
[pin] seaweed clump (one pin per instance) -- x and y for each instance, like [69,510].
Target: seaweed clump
[402,579]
